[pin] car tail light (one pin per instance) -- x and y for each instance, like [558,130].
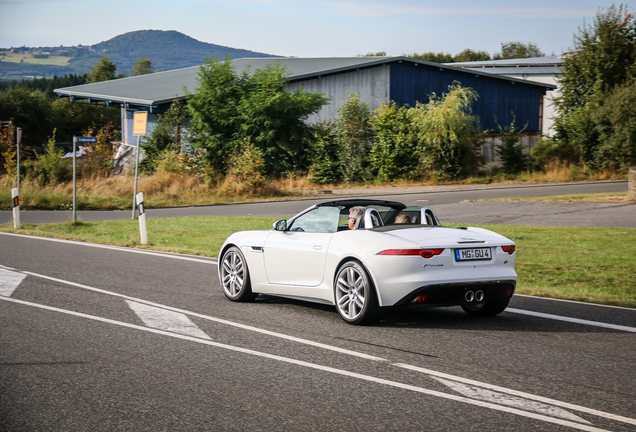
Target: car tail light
[509,249]
[420,299]
[426,253]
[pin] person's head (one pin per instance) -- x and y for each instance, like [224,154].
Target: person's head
[355,214]
[402,218]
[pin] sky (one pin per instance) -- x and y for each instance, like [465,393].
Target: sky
[307,28]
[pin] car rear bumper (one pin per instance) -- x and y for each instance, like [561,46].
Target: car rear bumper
[455,294]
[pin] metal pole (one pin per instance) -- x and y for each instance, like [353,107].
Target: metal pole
[136,171]
[74,176]
[18,140]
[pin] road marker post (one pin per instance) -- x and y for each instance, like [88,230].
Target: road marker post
[140,127]
[142,218]
[16,208]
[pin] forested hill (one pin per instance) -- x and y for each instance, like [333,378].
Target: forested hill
[166,49]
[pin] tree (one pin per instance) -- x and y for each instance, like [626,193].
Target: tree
[354,138]
[167,135]
[440,57]
[394,153]
[514,50]
[447,132]
[603,58]
[372,54]
[142,67]
[615,123]
[8,151]
[104,70]
[227,108]
[511,150]
[469,55]
[29,109]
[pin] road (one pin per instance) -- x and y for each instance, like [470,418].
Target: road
[102,338]
[451,204]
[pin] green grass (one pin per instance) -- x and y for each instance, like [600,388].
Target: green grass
[576,263]
[28,58]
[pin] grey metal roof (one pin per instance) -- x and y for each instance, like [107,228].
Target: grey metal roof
[530,62]
[160,88]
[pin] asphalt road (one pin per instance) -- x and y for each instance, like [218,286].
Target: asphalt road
[451,204]
[106,339]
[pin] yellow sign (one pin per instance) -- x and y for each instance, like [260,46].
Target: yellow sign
[140,121]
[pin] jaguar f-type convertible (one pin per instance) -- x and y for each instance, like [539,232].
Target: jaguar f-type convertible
[386,255]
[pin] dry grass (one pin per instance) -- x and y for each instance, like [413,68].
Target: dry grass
[166,189]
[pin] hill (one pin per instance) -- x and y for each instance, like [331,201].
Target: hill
[166,49]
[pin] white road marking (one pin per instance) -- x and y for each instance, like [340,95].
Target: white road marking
[120,249]
[349,352]
[572,320]
[210,318]
[9,281]
[519,393]
[513,401]
[166,320]
[315,366]
[575,302]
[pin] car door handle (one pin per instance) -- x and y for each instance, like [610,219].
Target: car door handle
[317,247]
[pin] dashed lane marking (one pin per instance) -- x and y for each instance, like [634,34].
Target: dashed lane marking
[572,320]
[166,320]
[368,378]
[9,281]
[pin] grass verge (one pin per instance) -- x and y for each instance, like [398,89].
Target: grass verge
[595,265]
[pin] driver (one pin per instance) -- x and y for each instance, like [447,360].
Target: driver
[355,214]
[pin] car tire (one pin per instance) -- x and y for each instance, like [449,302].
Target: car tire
[487,308]
[355,296]
[235,276]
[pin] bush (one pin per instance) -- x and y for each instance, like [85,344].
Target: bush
[447,132]
[394,152]
[548,152]
[354,138]
[50,167]
[246,172]
[511,150]
[616,125]
[324,154]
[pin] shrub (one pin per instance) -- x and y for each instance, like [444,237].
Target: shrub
[511,150]
[394,152]
[447,132]
[245,173]
[50,167]
[324,154]
[354,138]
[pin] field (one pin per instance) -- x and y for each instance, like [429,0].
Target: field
[10,57]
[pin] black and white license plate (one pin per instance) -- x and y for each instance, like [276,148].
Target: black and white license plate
[472,254]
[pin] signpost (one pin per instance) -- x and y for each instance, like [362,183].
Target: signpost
[140,126]
[76,140]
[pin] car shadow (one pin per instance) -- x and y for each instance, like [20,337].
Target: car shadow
[446,318]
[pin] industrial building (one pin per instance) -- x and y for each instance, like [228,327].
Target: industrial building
[376,79]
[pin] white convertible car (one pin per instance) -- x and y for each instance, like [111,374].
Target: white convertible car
[379,263]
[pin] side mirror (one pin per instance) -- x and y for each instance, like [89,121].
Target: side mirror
[280,225]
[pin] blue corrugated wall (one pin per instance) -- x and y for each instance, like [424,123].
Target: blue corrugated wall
[498,98]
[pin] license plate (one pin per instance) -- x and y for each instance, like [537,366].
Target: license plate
[472,254]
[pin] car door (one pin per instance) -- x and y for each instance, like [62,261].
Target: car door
[297,256]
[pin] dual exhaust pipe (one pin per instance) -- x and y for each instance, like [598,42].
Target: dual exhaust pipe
[471,296]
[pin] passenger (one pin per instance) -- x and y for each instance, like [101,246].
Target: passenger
[355,214]
[402,218]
